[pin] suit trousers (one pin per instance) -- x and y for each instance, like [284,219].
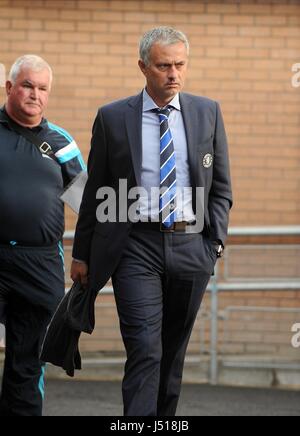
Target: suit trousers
[159,286]
[31,287]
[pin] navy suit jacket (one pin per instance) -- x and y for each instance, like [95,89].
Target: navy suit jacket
[116,153]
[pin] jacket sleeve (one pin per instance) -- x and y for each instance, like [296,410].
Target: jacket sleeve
[97,175]
[71,168]
[67,153]
[220,198]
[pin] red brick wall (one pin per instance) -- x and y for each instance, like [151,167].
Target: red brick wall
[242,55]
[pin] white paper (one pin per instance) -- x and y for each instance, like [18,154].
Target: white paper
[74,192]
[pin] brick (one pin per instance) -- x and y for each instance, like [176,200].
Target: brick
[138,83]
[124,72]
[60,4]
[79,37]
[133,17]
[271,20]
[194,6]
[41,13]
[59,48]
[120,49]
[222,9]
[238,19]
[5,24]
[92,27]
[25,24]
[221,52]
[60,26]
[292,32]
[237,42]
[286,10]
[129,5]
[222,30]
[90,92]
[42,36]
[255,9]
[108,16]
[27,47]
[254,53]
[174,19]
[107,82]
[10,35]
[205,18]
[290,53]
[75,15]
[125,28]
[150,6]
[255,31]
[26,3]
[92,4]
[91,49]
[108,60]
[12,13]
[268,42]
[78,59]
[91,70]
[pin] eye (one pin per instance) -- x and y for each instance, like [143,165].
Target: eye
[163,67]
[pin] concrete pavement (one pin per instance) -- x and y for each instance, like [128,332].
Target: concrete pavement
[81,398]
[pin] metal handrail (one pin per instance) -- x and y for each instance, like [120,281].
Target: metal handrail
[265,231]
[241,231]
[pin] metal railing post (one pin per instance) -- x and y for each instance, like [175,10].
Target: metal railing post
[214,328]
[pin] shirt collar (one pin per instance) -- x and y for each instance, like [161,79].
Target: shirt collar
[150,105]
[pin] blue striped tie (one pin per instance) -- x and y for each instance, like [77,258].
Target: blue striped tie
[168,182]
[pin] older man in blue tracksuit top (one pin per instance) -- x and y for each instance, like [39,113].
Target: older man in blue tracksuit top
[31,230]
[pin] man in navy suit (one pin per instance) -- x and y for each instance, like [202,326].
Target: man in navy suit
[170,141]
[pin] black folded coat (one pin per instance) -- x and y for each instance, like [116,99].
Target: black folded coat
[75,314]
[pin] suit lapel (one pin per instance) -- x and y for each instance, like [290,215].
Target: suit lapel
[191,122]
[133,120]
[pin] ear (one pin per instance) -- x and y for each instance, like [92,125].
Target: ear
[8,87]
[143,67]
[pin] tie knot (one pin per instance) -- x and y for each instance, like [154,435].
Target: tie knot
[164,112]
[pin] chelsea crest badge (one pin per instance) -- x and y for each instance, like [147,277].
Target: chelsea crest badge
[208,160]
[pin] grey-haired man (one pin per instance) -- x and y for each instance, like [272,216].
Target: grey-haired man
[31,229]
[170,141]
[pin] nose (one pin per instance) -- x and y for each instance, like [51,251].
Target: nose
[173,72]
[34,94]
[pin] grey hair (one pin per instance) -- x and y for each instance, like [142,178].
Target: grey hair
[32,62]
[162,35]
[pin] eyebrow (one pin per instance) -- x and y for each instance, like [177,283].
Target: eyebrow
[28,82]
[172,63]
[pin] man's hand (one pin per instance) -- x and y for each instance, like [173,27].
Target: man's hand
[79,272]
